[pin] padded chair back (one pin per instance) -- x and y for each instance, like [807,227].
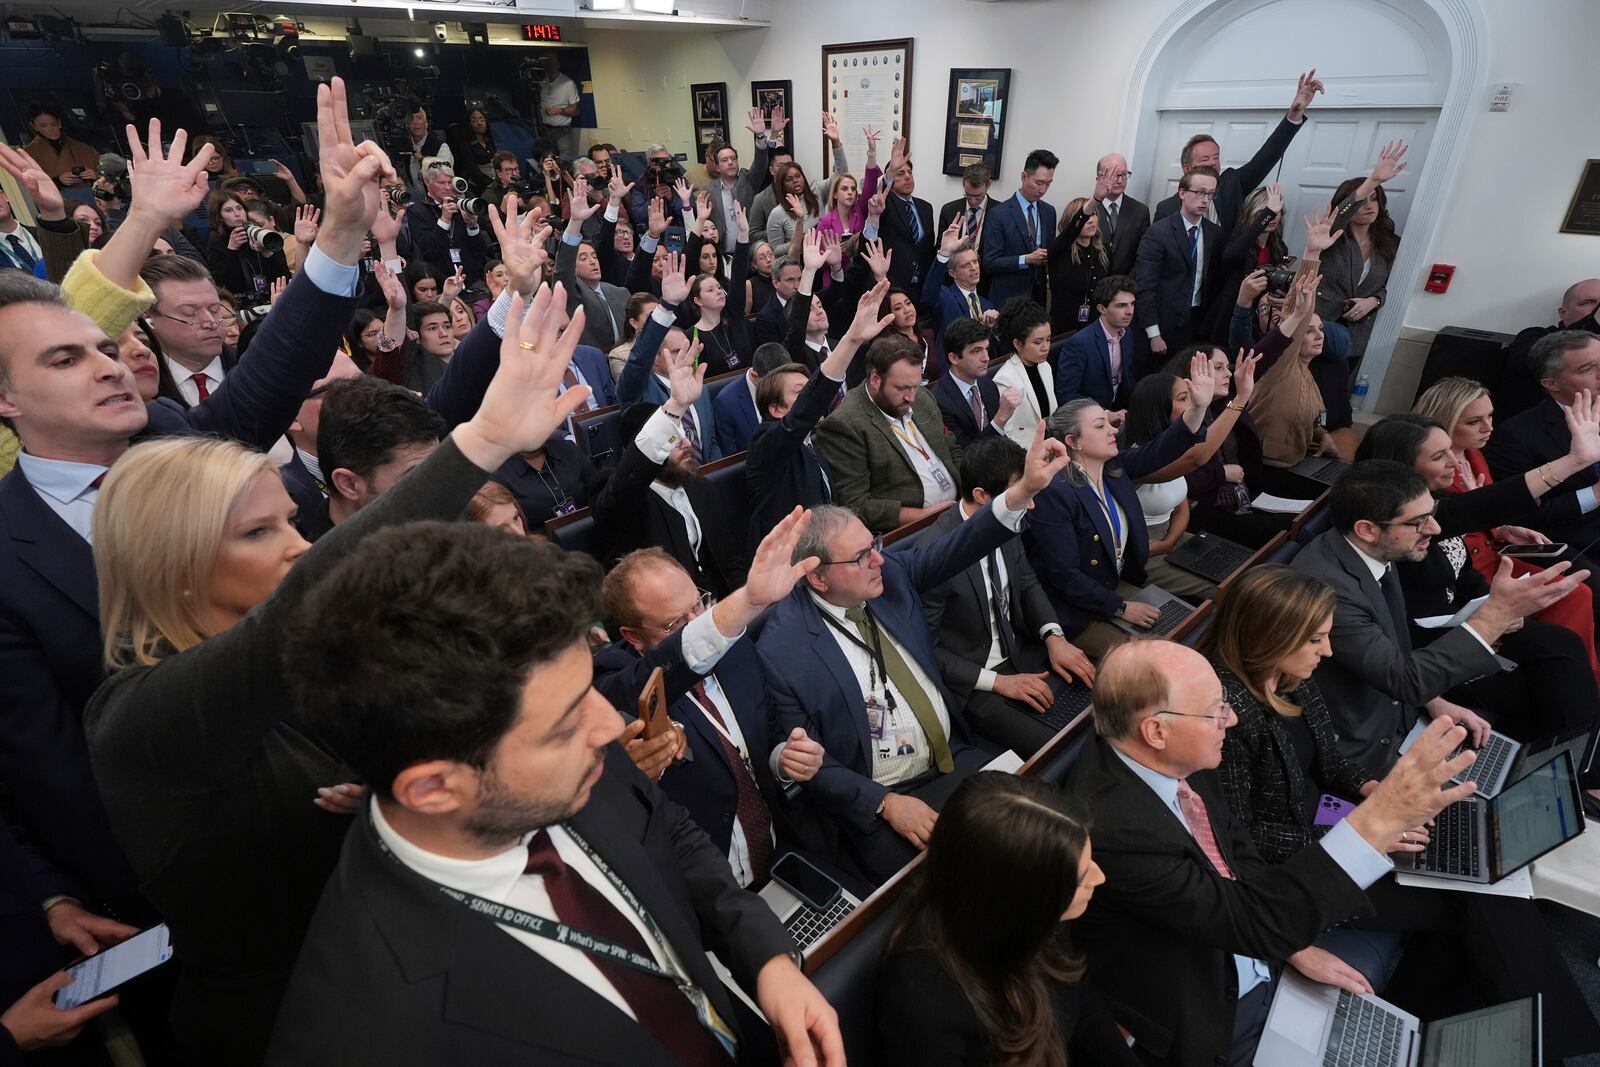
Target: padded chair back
[912,532]
[1052,762]
[597,433]
[576,533]
[727,480]
[1284,553]
[849,981]
[1315,525]
[721,382]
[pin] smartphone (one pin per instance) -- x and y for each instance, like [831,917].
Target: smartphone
[805,880]
[1554,550]
[673,239]
[110,968]
[653,706]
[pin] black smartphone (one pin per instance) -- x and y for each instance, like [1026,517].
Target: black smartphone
[805,880]
[1555,550]
[673,239]
[109,968]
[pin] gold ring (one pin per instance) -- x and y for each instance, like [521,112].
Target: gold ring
[527,346]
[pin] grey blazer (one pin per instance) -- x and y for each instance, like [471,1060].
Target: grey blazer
[605,305]
[1341,280]
[744,190]
[1375,682]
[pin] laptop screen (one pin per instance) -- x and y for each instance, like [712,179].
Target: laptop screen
[1536,814]
[1506,1035]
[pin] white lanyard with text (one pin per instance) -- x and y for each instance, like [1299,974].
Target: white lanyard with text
[594,944]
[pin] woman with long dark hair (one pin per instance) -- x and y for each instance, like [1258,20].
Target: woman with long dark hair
[979,970]
[1256,243]
[474,149]
[715,309]
[1023,330]
[1157,400]
[797,203]
[237,262]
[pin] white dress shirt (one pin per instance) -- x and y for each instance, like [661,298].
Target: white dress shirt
[1378,569]
[657,438]
[501,880]
[184,377]
[923,460]
[66,489]
[20,232]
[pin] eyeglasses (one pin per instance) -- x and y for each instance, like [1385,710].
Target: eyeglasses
[213,315]
[704,604]
[1219,717]
[1416,524]
[861,559]
[1198,194]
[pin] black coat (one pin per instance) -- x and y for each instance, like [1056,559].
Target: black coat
[1236,183]
[566,465]
[780,471]
[1165,273]
[1523,442]
[912,257]
[1122,241]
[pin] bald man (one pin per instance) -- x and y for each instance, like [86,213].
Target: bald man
[1519,388]
[1123,219]
[1181,937]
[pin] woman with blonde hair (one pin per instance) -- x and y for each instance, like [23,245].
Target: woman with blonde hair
[222,796]
[1078,260]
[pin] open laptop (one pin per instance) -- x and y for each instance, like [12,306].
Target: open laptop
[805,923]
[1211,557]
[1316,1025]
[1173,611]
[1324,469]
[1502,760]
[1483,839]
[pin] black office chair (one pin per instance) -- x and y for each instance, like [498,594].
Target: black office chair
[849,981]
[1284,553]
[576,533]
[1315,525]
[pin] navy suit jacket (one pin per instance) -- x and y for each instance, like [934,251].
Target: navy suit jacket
[810,682]
[942,301]
[1165,274]
[311,505]
[1005,237]
[704,783]
[771,322]
[957,410]
[779,471]
[50,650]
[639,383]
[735,411]
[1083,368]
[596,371]
[1069,539]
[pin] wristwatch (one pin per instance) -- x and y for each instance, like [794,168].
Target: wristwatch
[881,803]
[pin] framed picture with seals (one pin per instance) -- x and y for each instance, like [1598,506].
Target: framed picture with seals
[975,120]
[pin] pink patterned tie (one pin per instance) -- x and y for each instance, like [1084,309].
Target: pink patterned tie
[1194,813]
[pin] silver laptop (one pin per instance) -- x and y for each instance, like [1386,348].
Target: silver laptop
[1323,469]
[1483,839]
[805,923]
[1502,760]
[1174,609]
[1316,1025]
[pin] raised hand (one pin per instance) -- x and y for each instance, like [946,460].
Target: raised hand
[1320,234]
[830,128]
[674,282]
[878,259]
[876,203]
[832,250]
[796,206]
[741,224]
[951,239]
[276,290]
[812,254]
[1301,301]
[617,189]
[1202,383]
[656,212]
[1583,423]
[687,377]
[899,152]
[871,134]
[454,284]
[1275,198]
[702,204]
[1391,161]
[40,186]
[1307,88]
[306,223]
[756,123]
[681,189]
[394,293]
[771,575]
[163,185]
[778,122]
[867,323]
[353,177]
[579,208]
[1244,375]
[385,224]
[1102,185]
[522,247]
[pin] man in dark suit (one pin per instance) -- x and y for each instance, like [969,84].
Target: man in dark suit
[1096,362]
[973,207]
[906,224]
[302,475]
[516,796]
[1179,268]
[1565,362]
[438,232]
[1181,936]
[735,406]
[657,497]
[1375,682]
[849,656]
[578,268]
[736,766]
[772,318]
[194,358]
[1519,388]
[1123,219]
[1236,183]
[954,289]
[1019,234]
[370,434]
[886,445]
[646,375]
[971,405]
[998,635]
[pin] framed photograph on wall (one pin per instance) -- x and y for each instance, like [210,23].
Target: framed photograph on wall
[710,100]
[975,121]
[1583,214]
[866,84]
[768,95]
[705,134]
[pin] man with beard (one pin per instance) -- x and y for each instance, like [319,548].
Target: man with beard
[656,496]
[517,892]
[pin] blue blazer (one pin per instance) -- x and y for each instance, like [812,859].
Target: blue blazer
[704,783]
[596,371]
[956,410]
[941,301]
[1069,540]
[638,383]
[810,682]
[735,411]
[311,514]
[1164,271]
[1083,368]
[1006,237]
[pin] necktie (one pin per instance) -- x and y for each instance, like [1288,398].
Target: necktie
[611,317]
[977,408]
[900,676]
[99,480]
[822,469]
[1390,584]
[202,385]
[915,222]
[1111,220]
[665,1013]
[1194,246]
[1194,813]
[751,810]
[569,380]
[692,432]
[975,308]
[1033,223]
[1000,606]
[972,221]
[20,253]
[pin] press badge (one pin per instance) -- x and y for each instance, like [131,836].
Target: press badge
[1083,311]
[877,718]
[941,479]
[566,507]
[455,256]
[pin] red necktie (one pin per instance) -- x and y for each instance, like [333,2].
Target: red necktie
[99,479]
[977,408]
[1194,813]
[661,1009]
[751,810]
[202,385]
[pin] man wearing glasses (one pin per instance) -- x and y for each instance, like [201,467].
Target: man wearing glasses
[1178,267]
[850,659]
[188,321]
[1181,936]
[1376,683]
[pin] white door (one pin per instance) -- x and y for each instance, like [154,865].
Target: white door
[1336,144]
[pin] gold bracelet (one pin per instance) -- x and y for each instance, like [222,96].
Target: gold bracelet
[1234,405]
[1544,472]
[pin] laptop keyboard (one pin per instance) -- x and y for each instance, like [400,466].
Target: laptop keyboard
[807,925]
[1070,699]
[1453,844]
[1327,471]
[1492,759]
[1363,1034]
[1172,613]
[1220,561]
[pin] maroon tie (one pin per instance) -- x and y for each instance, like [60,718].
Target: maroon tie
[752,810]
[99,479]
[977,408]
[661,1009]
[202,385]
[1194,813]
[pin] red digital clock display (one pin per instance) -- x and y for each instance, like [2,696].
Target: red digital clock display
[541,32]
